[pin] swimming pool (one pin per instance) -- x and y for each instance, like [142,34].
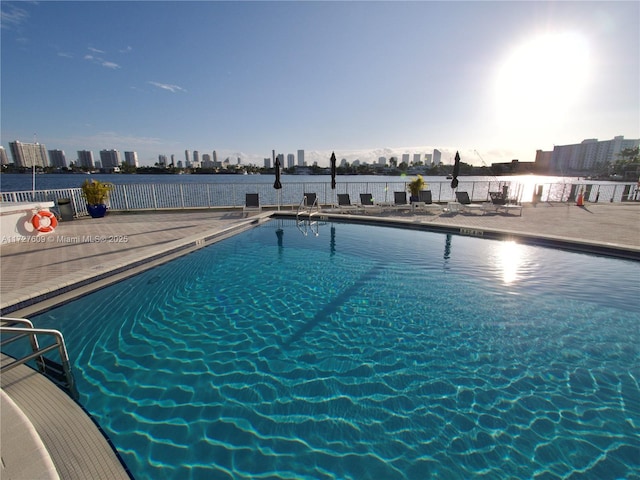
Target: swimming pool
[365,352]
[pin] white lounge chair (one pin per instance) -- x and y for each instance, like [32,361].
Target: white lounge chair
[500,203]
[251,203]
[344,203]
[400,201]
[467,205]
[368,205]
[425,200]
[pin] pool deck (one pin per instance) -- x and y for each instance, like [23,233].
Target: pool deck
[85,254]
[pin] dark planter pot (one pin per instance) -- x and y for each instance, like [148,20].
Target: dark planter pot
[97,211]
[413,199]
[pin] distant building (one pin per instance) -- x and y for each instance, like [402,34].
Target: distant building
[301,158]
[29,154]
[131,159]
[405,158]
[110,159]
[291,160]
[85,159]
[543,161]
[3,156]
[187,159]
[57,159]
[162,160]
[428,159]
[267,162]
[588,155]
[382,161]
[206,161]
[417,158]
[196,157]
[437,157]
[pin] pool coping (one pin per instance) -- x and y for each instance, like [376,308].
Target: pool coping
[576,245]
[49,294]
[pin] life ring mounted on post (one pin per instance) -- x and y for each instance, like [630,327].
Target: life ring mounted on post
[44,221]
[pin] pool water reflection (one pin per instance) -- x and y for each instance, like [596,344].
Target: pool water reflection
[364,352]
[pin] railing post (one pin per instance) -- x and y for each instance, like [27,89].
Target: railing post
[126,198]
[153,192]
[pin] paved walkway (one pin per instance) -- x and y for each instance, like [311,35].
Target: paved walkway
[84,252]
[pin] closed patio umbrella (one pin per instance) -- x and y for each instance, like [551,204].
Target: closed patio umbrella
[333,171]
[277,184]
[456,171]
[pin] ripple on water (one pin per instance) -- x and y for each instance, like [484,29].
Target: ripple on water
[248,361]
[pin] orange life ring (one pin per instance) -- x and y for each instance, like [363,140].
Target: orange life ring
[44,221]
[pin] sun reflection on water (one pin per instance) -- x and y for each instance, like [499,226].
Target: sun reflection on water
[509,260]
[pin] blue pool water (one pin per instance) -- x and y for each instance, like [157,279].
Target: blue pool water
[365,353]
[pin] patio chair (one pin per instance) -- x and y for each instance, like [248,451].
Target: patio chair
[310,200]
[367,203]
[467,205]
[400,201]
[344,203]
[500,203]
[251,204]
[426,200]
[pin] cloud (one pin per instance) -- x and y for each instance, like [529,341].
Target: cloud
[95,50]
[166,86]
[128,49]
[101,61]
[12,16]
[65,55]
[111,65]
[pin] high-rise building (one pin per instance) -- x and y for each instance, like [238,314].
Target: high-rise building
[267,162]
[588,155]
[405,158]
[196,157]
[417,158]
[291,160]
[206,161]
[57,158]
[29,154]
[437,156]
[110,158]
[3,156]
[162,160]
[131,159]
[85,159]
[301,158]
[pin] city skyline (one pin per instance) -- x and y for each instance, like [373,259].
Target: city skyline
[495,81]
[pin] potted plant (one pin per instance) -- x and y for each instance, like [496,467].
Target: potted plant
[95,193]
[414,187]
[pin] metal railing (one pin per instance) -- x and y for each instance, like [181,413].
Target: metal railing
[184,196]
[60,373]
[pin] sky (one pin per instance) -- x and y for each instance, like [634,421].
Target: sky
[494,80]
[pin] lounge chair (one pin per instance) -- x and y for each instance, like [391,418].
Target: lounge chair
[251,203]
[344,203]
[467,205]
[310,200]
[367,203]
[426,201]
[501,203]
[400,201]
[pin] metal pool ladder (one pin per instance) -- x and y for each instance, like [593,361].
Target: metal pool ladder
[307,224]
[59,373]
